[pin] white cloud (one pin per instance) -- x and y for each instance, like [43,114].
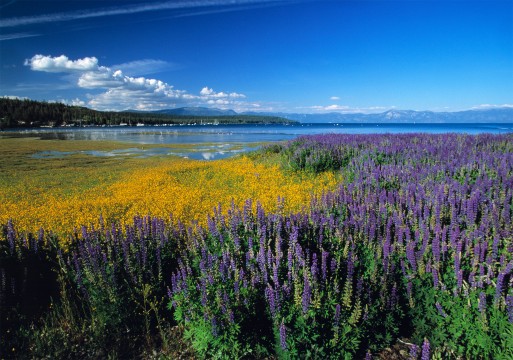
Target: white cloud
[144,67]
[61,64]
[331,108]
[348,109]
[207,93]
[77,102]
[491,106]
[334,98]
[13,97]
[118,91]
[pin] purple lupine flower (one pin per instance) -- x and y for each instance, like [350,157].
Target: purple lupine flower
[410,255]
[269,294]
[289,264]
[500,280]
[283,336]
[307,294]
[436,243]
[333,265]
[472,279]
[324,261]
[425,350]
[495,247]
[403,268]
[294,235]
[459,279]
[350,266]
[314,269]
[436,281]
[414,352]
[482,254]
[509,307]
[440,309]
[275,276]
[236,288]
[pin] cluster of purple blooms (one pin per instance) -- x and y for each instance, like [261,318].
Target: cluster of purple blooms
[417,204]
[345,271]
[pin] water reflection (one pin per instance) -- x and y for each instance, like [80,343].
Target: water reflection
[213,152]
[216,142]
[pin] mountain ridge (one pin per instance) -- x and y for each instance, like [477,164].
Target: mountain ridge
[495,115]
[499,115]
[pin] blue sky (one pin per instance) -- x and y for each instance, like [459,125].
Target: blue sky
[257,55]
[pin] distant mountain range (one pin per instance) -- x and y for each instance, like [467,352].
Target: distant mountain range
[199,111]
[497,115]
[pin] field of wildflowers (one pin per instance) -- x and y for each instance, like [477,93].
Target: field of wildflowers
[415,243]
[62,194]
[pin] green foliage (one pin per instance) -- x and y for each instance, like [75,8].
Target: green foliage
[456,326]
[30,113]
[301,155]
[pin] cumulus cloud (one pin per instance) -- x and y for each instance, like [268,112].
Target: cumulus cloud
[118,91]
[75,102]
[334,98]
[207,93]
[61,64]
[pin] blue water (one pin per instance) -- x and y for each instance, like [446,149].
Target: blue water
[220,141]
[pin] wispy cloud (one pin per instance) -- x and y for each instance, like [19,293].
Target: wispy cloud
[145,66]
[347,109]
[7,4]
[126,10]
[334,98]
[491,106]
[118,91]
[16,36]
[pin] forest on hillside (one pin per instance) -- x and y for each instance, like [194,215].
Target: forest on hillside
[16,113]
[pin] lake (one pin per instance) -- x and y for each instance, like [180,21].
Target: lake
[220,141]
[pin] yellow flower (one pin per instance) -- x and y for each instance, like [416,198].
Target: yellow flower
[186,189]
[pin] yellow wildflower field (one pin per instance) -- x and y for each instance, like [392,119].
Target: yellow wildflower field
[62,194]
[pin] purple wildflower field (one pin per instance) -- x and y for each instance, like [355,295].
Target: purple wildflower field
[415,244]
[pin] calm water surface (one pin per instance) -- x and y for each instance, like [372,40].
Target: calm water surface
[220,141]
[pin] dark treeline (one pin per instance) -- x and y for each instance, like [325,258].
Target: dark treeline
[30,113]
